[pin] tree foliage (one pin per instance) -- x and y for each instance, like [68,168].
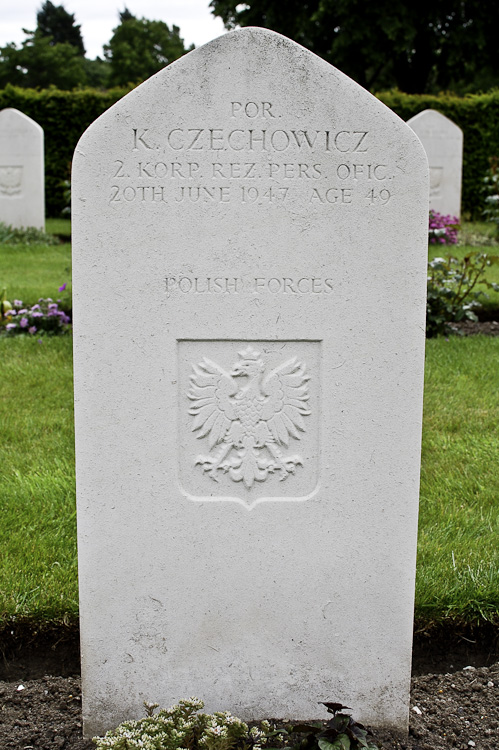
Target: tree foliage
[55,22]
[419,47]
[139,48]
[52,55]
[39,63]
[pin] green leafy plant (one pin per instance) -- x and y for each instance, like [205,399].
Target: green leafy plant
[452,294]
[66,211]
[181,726]
[491,184]
[25,236]
[339,733]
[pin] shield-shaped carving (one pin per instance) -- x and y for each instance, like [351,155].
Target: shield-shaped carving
[436,174]
[249,427]
[10,180]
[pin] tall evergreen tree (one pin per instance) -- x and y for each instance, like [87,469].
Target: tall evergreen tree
[126,15]
[55,22]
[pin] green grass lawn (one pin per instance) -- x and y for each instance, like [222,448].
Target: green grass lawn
[38,572]
[458,551]
[458,558]
[29,272]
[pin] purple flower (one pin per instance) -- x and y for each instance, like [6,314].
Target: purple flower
[35,307]
[62,288]
[11,326]
[24,323]
[36,313]
[22,312]
[17,303]
[32,330]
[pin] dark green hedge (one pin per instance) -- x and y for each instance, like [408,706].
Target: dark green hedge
[64,115]
[478,117]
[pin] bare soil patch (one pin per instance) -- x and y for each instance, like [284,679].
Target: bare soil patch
[454,710]
[454,696]
[472,327]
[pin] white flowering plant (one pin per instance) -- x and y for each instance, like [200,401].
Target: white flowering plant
[182,727]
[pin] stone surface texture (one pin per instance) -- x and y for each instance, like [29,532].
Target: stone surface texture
[22,176]
[443,142]
[250,240]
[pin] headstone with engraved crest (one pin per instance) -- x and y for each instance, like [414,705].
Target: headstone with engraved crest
[443,142]
[22,197]
[250,239]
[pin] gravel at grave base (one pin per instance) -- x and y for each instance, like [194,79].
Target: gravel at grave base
[455,710]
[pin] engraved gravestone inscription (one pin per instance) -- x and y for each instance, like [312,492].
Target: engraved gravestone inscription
[257,222]
[22,199]
[443,142]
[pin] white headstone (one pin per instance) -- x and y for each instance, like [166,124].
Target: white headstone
[443,142]
[22,185]
[250,240]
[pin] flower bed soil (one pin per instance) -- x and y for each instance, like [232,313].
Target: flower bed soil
[454,710]
[471,327]
[454,696]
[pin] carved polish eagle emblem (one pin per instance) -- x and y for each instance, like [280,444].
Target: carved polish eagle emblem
[248,416]
[10,180]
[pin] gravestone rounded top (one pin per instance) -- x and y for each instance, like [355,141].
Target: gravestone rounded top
[242,61]
[250,97]
[434,123]
[12,118]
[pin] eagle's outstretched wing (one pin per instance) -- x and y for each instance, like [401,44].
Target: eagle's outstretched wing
[211,391]
[286,388]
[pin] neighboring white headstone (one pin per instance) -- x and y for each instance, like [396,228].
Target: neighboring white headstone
[22,186]
[250,241]
[443,142]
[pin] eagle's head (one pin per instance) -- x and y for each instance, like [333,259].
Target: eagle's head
[249,363]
